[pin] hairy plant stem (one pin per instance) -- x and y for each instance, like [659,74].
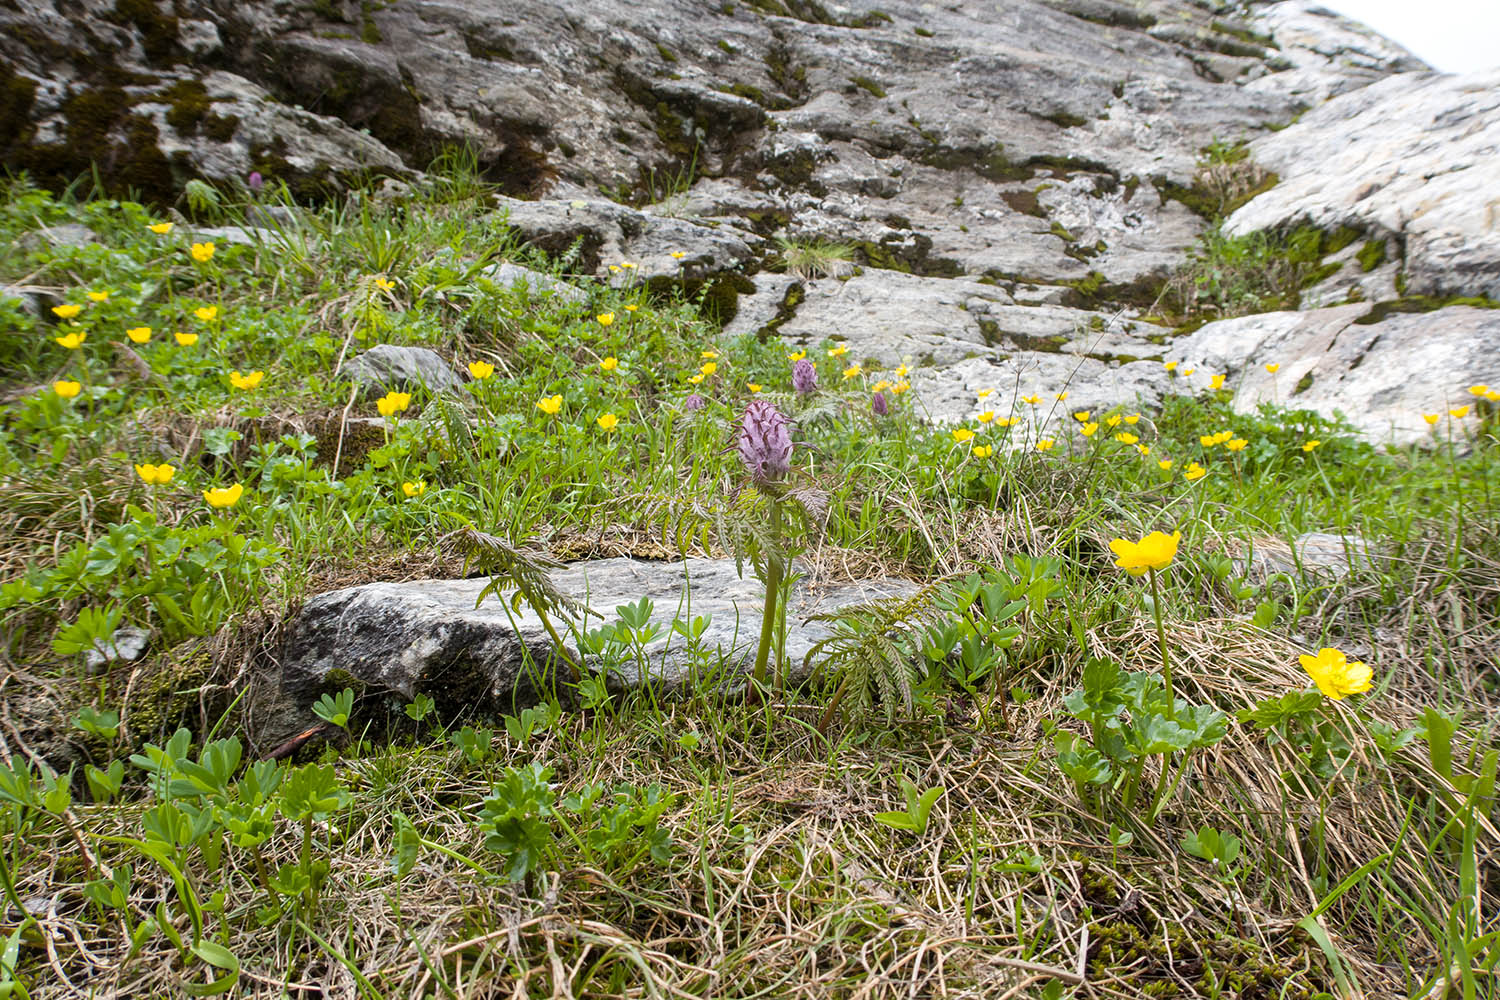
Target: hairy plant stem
[1161,638]
[768,619]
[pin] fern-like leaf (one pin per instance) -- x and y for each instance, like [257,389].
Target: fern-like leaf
[527,570]
[865,652]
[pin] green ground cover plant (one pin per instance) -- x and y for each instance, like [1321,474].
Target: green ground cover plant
[1102,750]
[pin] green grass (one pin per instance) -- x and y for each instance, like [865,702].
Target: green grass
[420,862]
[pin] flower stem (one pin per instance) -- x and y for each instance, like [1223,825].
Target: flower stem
[1161,638]
[773,591]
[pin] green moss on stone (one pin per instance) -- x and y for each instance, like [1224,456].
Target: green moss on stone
[1371,255]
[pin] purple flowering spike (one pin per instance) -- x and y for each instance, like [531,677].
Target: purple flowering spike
[694,403]
[879,405]
[804,377]
[765,441]
[255,181]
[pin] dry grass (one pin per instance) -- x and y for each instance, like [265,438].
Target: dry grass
[810,898]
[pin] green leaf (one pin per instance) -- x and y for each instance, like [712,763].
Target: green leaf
[219,957]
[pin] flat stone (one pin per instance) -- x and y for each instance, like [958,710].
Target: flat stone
[428,635]
[1314,554]
[387,367]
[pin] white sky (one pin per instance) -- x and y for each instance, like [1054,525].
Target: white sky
[1452,35]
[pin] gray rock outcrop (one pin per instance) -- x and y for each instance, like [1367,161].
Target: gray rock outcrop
[1382,373]
[1412,161]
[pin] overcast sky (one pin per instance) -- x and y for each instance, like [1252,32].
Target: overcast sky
[1452,35]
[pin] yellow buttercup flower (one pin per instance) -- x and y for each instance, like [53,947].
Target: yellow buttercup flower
[1165,464]
[710,354]
[247,381]
[753,386]
[67,310]
[614,269]
[1144,449]
[900,387]
[838,351]
[139,334]
[414,489]
[155,475]
[1217,382]
[481,369]
[160,228]
[1188,371]
[605,319]
[1132,418]
[677,255]
[384,284]
[902,372]
[1310,445]
[1124,438]
[608,422]
[1045,444]
[1088,429]
[203,252]
[962,434]
[1082,415]
[627,264]
[1170,366]
[984,392]
[66,389]
[392,403]
[1335,674]
[708,368]
[696,378]
[1032,400]
[550,405]
[1237,444]
[1432,418]
[1459,413]
[796,356]
[207,313]
[1062,396]
[1154,552]
[986,416]
[885,384]
[1273,368]
[185,339]
[1007,421]
[1493,396]
[609,364]
[72,341]
[631,308]
[224,496]
[1112,421]
[104,297]
[983,450]
[1193,472]
[1474,390]
[853,371]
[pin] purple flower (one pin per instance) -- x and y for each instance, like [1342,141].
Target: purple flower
[879,405]
[255,182]
[804,377]
[694,403]
[765,441]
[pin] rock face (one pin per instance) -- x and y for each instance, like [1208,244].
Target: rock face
[1381,373]
[428,635]
[1015,181]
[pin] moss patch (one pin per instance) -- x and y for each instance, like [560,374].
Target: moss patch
[1422,304]
[158,31]
[1371,255]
